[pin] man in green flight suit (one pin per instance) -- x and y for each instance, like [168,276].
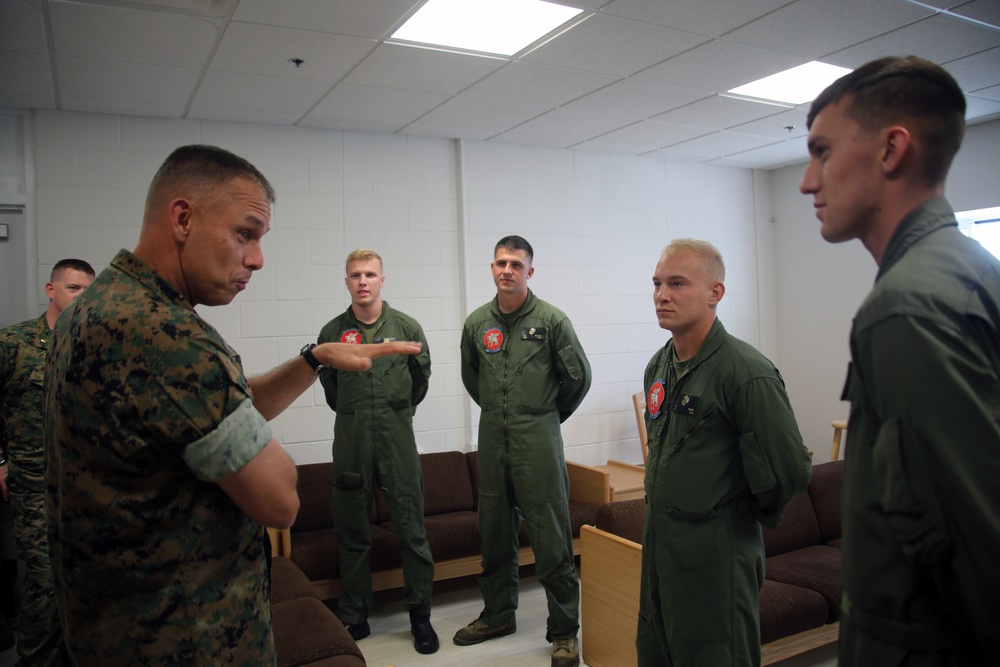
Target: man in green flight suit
[373,444]
[725,455]
[23,348]
[921,500]
[524,366]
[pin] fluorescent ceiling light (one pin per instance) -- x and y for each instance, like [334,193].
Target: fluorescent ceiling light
[487,26]
[793,86]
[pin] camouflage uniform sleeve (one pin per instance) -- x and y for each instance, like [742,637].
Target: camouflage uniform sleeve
[200,401]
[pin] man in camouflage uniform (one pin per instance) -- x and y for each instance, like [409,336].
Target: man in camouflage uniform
[373,443]
[22,367]
[162,470]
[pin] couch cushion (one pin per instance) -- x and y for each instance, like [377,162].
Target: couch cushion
[623,518]
[451,535]
[315,488]
[288,582]
[825,492]
[306,631]
[816,568]
[798,528]
[447,487]
[786,610]
[317,553]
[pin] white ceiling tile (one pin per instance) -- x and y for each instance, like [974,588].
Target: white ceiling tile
[242,115]
[411,68]
[611,45]
[473,113]
[124,35]
[980,108]
[991,93]
[940,38]
[781,154]
[812,28]
[124,82]
[530,83]
[118,107]
[350,105]
[718,111]
[266,50]
[646,135]
[257,94]
[373,19]
[719,66]
[572,126]
[544,142]
[987,11]
[635,99]
[25,73]
[977,71]
[777,126]
[705,17]
[719,143]
[22,27]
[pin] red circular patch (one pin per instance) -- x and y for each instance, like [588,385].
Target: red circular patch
[493,340]
[352,336]
[654,399]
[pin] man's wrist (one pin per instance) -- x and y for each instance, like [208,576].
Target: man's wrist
[307,353]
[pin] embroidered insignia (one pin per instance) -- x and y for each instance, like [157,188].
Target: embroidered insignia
[493,340]
[654,399]
[352,336]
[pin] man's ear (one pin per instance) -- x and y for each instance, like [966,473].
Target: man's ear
[896,146]
[50,290]
[718,291]
[180,219]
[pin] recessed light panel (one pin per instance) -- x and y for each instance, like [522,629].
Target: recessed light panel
[794,86]
[487,26]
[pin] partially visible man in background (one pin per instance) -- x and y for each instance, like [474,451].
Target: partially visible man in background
[23,348]
[921,499]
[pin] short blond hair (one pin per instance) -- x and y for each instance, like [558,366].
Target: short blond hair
[362,255]
[710,255]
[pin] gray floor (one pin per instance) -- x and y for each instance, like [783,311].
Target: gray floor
[457,603]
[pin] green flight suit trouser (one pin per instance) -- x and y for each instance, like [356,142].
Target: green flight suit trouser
[525,475]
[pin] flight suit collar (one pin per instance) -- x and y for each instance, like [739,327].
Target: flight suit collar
[930,216]
[713,341]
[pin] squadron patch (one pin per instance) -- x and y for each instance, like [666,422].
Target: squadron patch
[654,399]
[493,340]
[352,336]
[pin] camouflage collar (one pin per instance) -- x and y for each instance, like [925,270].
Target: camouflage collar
[143,273]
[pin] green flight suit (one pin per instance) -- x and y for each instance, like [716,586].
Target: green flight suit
[724,454]
[22,369]
[373,444]
[921,534]
[146,409]
[528,373]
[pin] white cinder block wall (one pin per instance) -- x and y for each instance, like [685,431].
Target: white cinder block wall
[433,209]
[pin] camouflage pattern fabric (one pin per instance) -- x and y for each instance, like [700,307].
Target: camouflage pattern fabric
[146,409]
[22,368]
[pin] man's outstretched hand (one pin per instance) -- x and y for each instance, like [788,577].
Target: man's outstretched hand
[349,357]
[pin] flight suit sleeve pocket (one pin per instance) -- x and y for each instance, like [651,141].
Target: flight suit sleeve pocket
[571,362]
[907,497]
[756,465]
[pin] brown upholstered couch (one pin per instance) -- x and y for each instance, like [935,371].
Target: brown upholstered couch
[450,498]
[799,602]
[306,632]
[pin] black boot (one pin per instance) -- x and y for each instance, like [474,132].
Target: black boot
[358,631]
[425,640]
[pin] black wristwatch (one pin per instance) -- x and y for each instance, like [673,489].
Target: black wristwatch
[307,354]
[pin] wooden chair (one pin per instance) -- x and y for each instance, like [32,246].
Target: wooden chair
[639,403]
[839,426]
